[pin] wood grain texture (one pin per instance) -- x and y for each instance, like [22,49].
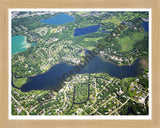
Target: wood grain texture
[6,4]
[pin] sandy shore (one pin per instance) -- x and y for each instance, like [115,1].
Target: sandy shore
[26,45]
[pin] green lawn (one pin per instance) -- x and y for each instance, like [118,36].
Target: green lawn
[90,47]
[92,39]
[81,53]
[113,20]
[81,12]
[126,44]
[19,82]
[138,36]
[87,44]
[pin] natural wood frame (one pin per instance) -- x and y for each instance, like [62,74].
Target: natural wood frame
[4,33]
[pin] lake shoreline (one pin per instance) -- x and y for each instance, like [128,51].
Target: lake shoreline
[20,44]
[55,74]
[70,64]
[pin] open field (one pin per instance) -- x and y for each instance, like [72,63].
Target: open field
[113,20]
[137,36]
[19,82]
[90,47]
[126,44]
[92,39]
[81,12]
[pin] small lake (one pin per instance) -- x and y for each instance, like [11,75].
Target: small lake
[145,26]
[59,19]
[50,78]
[86,30]
[19,44]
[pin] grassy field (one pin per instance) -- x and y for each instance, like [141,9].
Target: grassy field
[126,44]
[137,36]
[81,53]
[81,12]
[113,20]
[90,47]
[92,39]
[87,44]
[19,82]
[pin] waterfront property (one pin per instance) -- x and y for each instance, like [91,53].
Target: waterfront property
[53,76]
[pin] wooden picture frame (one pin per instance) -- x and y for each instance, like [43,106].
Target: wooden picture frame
[5,122]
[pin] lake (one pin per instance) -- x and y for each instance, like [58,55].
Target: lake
[145,26]
[86,30]
[50,78]
[59,19]
[19,44]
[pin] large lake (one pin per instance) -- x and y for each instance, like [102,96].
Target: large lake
[59,19]
[19,44]
[50,78]
[86,30]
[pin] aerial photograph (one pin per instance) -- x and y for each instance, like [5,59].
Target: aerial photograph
[79,63]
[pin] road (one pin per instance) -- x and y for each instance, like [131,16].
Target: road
[119,107]
[20,105]
[101,105]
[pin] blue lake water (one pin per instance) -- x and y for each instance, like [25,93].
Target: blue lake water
[86,30]
[59,19]
[145,26]
[19,44]
[53,76]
